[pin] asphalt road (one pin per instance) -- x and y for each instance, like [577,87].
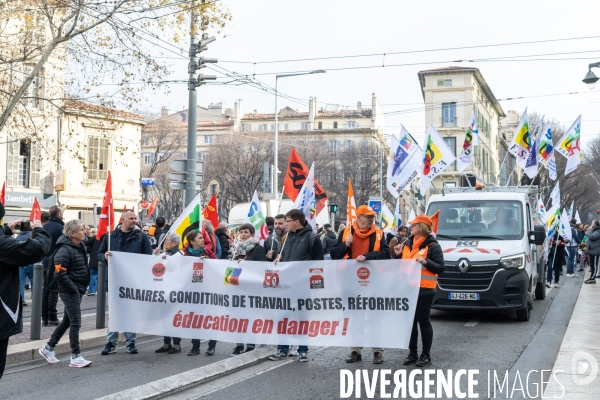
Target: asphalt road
[483,341]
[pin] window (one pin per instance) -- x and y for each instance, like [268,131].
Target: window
[145,141]
[351,124]
[33,93]
[448,115]
[148,158]
[320,125]
[444,82]
[451,142]
[212,189]
[334,124]
[348,145]
[286,127]
[208,139]
[246,127]
[202,155]
[24,163]
[334,147]
[183,154]
[97,163]
[304,126]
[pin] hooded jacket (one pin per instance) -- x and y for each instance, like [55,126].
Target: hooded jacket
[71,270]
[329,242]
[15,254]
[54,227]
[297,246]
[593,242]
[224,241]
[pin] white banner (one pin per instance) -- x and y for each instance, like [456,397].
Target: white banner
[323,303]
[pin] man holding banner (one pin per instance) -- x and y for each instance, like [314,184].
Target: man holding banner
[362,241]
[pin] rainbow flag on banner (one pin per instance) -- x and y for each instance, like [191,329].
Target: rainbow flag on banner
[189,220]
[387,224]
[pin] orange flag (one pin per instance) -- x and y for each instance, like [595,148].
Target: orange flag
[107,214]
[351,206]
[435,218]
[36,211]
[152,207]
[210,212]
[295,176]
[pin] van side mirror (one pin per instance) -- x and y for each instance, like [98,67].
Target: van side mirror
[537,235]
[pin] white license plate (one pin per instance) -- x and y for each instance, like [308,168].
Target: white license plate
[463,296]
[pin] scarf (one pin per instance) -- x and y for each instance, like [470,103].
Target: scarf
[360,244]
[195,252]
[245,247]
[416,244]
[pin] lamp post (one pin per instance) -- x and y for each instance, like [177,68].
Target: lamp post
[275,160]
[590,78]
[332,210]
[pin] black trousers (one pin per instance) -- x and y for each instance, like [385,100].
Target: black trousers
[49,300]
[167,340]
[196,343]
[3,350]
[71,320]
[422,313]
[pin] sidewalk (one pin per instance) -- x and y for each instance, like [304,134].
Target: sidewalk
[576,367]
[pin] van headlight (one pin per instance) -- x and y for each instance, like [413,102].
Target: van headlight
[517,261]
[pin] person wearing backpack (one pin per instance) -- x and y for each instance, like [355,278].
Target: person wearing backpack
[71,272]
[362,241]
[127,238]
[301,244]
[54,227]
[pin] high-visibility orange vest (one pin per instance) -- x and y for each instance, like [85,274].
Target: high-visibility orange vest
[428,278]
[378,233]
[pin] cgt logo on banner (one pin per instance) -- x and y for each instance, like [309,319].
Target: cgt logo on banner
[368,304]
[158,270]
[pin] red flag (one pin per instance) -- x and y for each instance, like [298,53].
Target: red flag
[3,194]
[107,215]
[295,176]
[36,211]
[210,212]
[152,207]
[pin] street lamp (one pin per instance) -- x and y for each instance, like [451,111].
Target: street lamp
[332,208]
[590,78]
[276,180]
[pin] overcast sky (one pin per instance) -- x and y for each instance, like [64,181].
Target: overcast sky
[267,30]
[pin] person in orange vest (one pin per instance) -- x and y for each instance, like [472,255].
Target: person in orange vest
[362,241]
[422,247]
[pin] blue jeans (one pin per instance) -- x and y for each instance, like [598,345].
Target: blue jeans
[24,273]
[113,337]
[285,348]
[572,253]
[93,280]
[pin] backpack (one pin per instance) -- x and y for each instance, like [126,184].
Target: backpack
[50,272]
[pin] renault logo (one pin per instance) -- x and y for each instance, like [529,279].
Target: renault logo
[463,265]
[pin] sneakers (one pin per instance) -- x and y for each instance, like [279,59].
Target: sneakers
[194,351]
[423,360]
[248,349]
[175,349]
[548,284]
[237,351]
[131,349]
[45,322]
[210,351]
[378,357]
[79,362]
[48,353]
[590,281]
[293,353]
[280,355]
[90,294]
[556,285]
[303,357]
[163,349]
[109,349]
[354,357]
[411,359]
[53,322]
[23,303]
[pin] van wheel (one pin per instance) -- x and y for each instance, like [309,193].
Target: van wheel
[524,314]
[540,288]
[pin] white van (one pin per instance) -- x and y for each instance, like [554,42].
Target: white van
[493,253]
[238,213]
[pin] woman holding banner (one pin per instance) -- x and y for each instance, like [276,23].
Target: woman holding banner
[196,248]
[423,248]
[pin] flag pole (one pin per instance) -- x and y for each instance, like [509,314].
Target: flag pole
[502,165]
[280,200]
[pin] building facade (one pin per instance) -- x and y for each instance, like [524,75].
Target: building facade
[450,94]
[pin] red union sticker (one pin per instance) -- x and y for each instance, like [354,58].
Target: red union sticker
[158,270]
[271,278]
[198,272]
[363,274]
[316,278]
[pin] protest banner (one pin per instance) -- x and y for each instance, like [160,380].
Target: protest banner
[322,303]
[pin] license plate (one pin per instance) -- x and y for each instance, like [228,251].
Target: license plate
[463,296]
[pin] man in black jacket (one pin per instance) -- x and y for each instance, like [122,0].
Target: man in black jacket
[14,254]
[273,242]
[72,276]
[54,227]
[301,244]
[329,241]
[221,234]
[128,238]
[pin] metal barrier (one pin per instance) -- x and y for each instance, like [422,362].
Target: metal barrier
[101,297]
[36,303]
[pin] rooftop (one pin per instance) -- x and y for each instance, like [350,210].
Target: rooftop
[364,113]
[79,105]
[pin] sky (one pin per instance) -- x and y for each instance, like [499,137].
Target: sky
[539,75]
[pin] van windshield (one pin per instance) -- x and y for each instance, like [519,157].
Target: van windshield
[490,218]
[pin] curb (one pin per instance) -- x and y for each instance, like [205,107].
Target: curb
[195,377]
[24,352]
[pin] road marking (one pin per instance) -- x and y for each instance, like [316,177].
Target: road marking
[472,322]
